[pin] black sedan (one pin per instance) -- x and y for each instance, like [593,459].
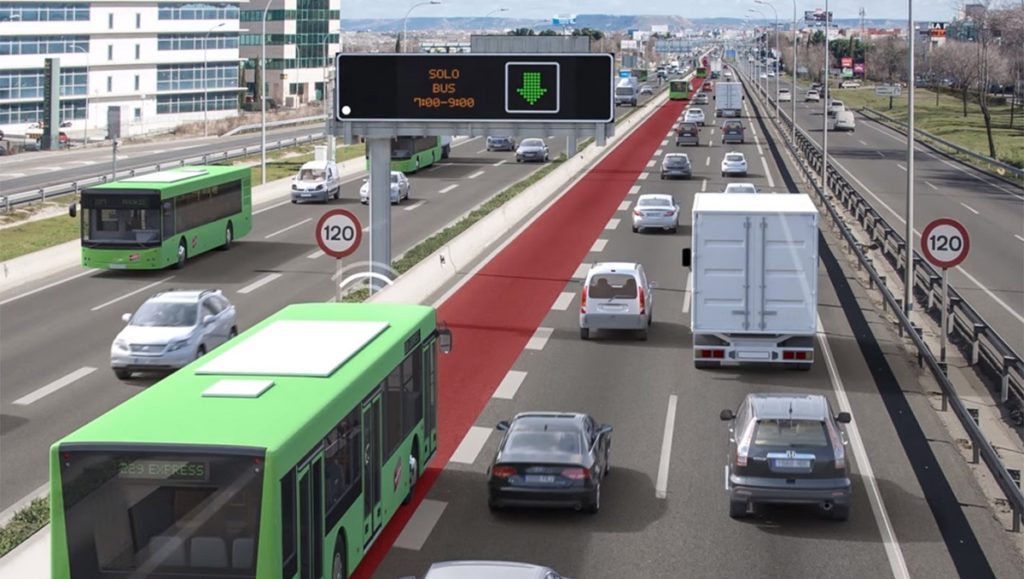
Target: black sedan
[500,143]
[550,459]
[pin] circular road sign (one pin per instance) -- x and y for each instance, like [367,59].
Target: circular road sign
[338,233]
[945,243]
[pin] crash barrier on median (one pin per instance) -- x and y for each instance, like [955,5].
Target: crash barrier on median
[48,193]
[985,349]
[274,124]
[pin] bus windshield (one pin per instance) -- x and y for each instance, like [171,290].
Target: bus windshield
[121,218]
[144,514]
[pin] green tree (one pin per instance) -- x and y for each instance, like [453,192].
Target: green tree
[592,33]
[522,32]
[549,32]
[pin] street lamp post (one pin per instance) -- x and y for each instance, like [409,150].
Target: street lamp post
[405,21]
[764,89]
[792,136]
[908,270]
[85,136]
[778,47]
[206,101]
[263,95]
[824,115]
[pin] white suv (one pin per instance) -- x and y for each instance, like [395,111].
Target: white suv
[616,296]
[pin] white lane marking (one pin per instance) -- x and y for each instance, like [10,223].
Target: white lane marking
[651,163]
[768,173]
[707,161]
[415,205]
[665,142]
[420,525]
[45,287]
[928,183]
[289,228]
[510,385]
[901,166]
[501,162]
[1018,237]
[448,188]
[892,546]
[862,142]
[712,133]
[880,154]
[539,339]
[703,185]
[259,283]
[969,208]
[269,207]
[710,144]
[661,486]
[584,268]
[55,386]
[471,445]
[760,151]
[475,175]
[434,167]
[644,175]
[687,294]
[563,301]
[900,218]
[131,293]
[753,131]
[669,134]
[12,174]
[658,152]
[972,174]
[598,245]
[612,224]
[52,169]
[85,162]
[316,254]
[624,206]
[478,152]
[634,190]
[158,151]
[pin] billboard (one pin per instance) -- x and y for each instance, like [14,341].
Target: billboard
[847,62]
[627,44]
[817,16]
[858,68]
[659,29]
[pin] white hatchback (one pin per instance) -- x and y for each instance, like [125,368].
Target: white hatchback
[616,296]
[694,116]
[400,188]
[734,163]
[785,96]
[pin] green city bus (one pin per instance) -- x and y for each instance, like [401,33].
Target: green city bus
[160,219]
[678,90]
[701,72]
[410,154]
[282,454]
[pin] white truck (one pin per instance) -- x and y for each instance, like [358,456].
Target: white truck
[728,99]
[754,284]
[626,92]
[317,180]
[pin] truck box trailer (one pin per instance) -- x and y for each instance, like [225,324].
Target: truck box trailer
[728,99]
[754,279]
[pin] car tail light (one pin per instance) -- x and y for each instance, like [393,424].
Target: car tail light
[576,473]
[638,213]
[643,302]
[669,213]
[743,444]
[838,449]
[583,301]
[503,471]
[720,354]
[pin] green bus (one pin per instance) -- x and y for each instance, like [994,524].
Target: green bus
[678,90]
[640,74]
[701,72]
[282,454]
[410,154]
[160,219]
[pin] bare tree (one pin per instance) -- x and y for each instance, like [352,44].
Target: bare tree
[888,58]
[1009,22]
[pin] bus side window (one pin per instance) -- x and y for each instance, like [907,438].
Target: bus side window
[168,214]
[291,562]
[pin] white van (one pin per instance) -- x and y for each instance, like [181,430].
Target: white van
[616,296]
[844,121]
[316,181]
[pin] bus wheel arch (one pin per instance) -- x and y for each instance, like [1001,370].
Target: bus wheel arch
[339,562]
[229,236]
[182,253]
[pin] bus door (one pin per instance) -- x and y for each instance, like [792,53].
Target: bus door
[372,518]
[429,366]
[310,475]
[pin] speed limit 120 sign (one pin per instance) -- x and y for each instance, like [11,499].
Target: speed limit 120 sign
[945,243]
[338,233]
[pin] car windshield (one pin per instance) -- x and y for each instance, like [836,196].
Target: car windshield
[533,143]
[165,315]
[734,158]
[312,174]
[612,285]
[394,178]
[790,432]
[654,202]
[543,442]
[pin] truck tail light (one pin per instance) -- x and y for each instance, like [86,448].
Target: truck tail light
[717,354]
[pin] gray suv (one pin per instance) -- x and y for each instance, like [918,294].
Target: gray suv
[787,449]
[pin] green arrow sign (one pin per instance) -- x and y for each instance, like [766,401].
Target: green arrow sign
[530,88]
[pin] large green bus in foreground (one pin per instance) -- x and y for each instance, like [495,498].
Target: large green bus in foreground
[160,219]
[282,454]
[678,90]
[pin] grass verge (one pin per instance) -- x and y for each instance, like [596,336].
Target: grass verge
[287,164]
[24,524]
[36,235]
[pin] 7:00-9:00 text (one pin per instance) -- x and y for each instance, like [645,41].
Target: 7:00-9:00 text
[438,102]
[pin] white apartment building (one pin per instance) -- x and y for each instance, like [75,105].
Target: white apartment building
[302,38]
[145,56]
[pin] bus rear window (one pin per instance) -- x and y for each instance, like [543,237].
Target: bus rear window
[168,515]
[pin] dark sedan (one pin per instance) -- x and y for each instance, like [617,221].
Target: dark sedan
[501,143]
[550,459]
[787,449]
[676,165]
[532,150]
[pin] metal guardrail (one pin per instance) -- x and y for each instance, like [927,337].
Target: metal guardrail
[985,348]
[45,193]
[275,124]
[936,142]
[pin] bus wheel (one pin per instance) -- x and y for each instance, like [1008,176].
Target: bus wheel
[182,255]
[229,236]
[338,568]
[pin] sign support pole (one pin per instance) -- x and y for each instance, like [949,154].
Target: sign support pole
[380,207]
[945,315]
[338,277]
[113,142]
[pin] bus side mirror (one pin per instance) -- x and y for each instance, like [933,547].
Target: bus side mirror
[73,210]
[686,257]
[444,340]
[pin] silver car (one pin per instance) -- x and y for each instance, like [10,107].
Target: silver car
[171,329]
[741,188]
[400,187]
[532,150]
[482,569]
[656,211]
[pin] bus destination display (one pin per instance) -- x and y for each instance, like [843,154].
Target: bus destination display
[468,87]
[152,469]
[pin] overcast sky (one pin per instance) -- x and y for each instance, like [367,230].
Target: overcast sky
[924,10]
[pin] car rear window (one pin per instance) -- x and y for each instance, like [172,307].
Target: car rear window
[673,160]
[546,442]
[788,432]
[734,157]
[654,203]
[533,143]
[612,285]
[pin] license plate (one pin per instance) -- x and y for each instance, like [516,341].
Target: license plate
[307,194]
[540,478]
[792,463]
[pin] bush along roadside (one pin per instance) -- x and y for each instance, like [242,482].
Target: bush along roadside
[24,524]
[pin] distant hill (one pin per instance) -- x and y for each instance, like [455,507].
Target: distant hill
[603,22]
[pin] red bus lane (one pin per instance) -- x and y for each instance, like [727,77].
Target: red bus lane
[496,312]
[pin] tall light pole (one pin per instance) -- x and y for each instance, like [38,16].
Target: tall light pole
[824,112]
[85,137]
[263,95]
[778,47]
[792,136]
[765,18]
[405,21]
[908,281]
[206,102]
